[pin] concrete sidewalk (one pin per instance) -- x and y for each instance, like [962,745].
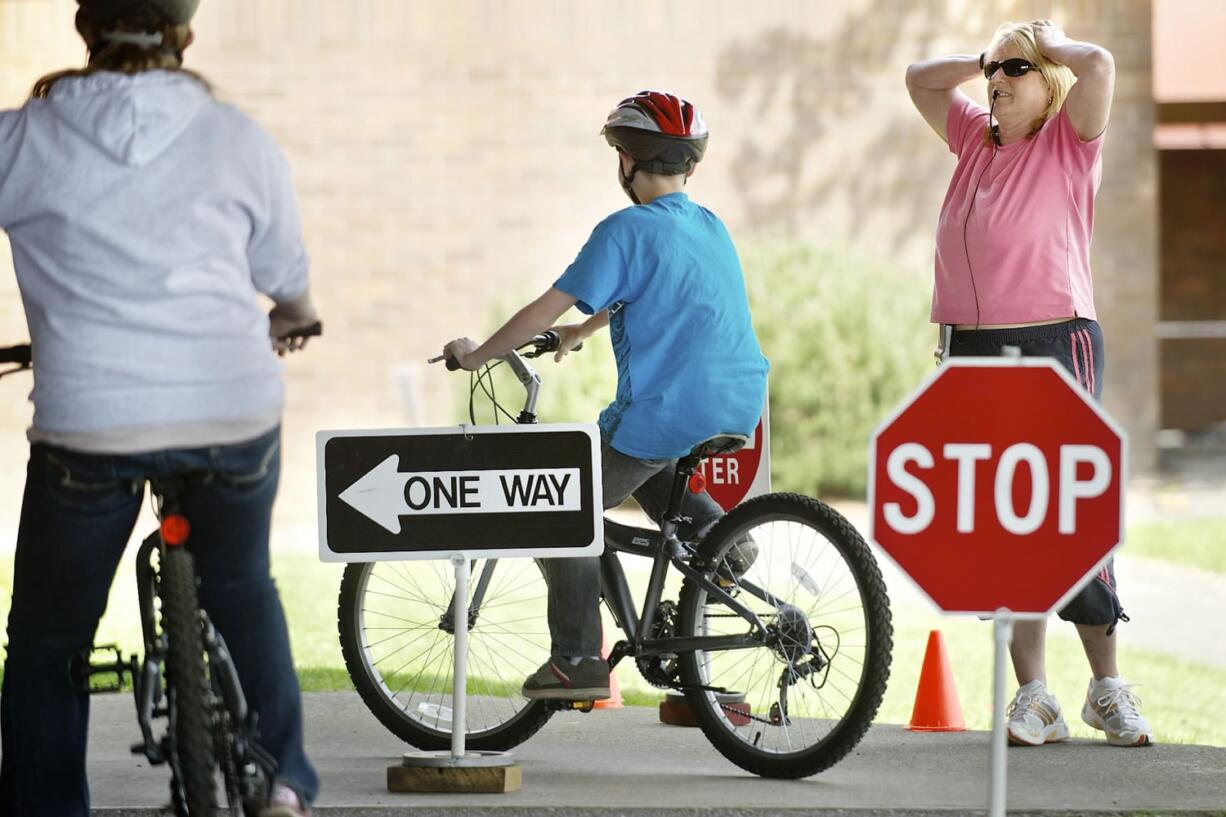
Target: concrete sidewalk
[624,762]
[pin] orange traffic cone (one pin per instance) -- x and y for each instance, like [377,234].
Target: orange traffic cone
[614,701]
[936,701]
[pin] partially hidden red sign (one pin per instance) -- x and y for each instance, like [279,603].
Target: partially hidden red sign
[733,478]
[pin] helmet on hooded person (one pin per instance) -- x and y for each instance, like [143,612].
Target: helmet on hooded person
[136,22]
[101,12]
[660,131]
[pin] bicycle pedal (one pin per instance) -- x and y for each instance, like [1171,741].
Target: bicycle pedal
[580,706]
[152,753]
[84,671]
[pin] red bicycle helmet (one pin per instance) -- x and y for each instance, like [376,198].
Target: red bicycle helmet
[662,132]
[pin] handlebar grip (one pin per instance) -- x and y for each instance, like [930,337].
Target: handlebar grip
[452,364]
[313,330]
[550,341]
[16,354]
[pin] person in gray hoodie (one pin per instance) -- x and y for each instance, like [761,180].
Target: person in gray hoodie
[145,219]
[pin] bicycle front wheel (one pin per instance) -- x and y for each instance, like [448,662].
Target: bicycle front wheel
[799,702]
[397,638]
[188,694]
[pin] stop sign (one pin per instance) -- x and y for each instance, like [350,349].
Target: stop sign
[998,484]
[732,478]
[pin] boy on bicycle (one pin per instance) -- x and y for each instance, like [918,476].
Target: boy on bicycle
[665,277]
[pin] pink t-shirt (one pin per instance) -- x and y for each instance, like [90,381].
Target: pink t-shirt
[1028,236]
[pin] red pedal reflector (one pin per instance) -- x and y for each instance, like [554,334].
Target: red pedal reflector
[698,483]
[175,529]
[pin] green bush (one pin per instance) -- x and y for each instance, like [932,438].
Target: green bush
[847,335]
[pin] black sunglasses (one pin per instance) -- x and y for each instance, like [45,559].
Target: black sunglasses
[1015,67]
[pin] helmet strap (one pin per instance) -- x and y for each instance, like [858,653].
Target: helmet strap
[628,181]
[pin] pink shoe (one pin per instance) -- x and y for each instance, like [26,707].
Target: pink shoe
[284,802]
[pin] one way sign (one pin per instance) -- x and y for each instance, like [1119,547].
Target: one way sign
[486,491]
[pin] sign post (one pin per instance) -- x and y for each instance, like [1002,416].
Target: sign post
[460,494]
[989,458]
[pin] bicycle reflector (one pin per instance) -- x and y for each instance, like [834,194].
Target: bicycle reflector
[175,529]
[698,483]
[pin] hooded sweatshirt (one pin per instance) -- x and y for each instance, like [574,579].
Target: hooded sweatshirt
[144,216]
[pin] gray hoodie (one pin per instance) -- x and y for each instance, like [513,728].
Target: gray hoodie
[144,217]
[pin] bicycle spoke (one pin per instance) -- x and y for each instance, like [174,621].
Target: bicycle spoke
[812,603]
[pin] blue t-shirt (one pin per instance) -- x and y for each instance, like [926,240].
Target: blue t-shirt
[688,363]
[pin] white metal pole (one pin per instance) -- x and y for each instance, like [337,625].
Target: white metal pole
[459,681]
[1003,631]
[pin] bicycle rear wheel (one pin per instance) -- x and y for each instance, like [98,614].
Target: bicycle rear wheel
[805,698]
[188,694]
[398,642]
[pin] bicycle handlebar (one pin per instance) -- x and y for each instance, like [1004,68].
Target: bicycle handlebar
[20,354]
[16,354]
[314,330]
[542,344]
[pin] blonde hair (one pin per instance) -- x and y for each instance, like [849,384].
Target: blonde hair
[1059,78]
[128,58]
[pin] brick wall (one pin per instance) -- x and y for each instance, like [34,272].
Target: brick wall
[1193,286]
[1193,212]
[1193,383]
[447,159]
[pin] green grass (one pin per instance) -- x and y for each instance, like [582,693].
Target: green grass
[1199,543]
[1176,694]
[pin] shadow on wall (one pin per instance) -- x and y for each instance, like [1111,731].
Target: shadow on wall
[834,126]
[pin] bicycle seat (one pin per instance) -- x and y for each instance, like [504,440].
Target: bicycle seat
[719,444]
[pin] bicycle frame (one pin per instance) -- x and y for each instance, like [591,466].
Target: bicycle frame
[663,547]
[169,490]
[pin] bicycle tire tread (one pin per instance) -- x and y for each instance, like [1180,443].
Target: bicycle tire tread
[848,733]
[186,672]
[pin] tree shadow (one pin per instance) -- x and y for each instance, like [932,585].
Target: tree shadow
[849,136]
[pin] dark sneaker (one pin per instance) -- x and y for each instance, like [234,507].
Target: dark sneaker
[558,680]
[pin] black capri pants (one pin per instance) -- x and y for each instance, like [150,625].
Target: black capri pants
[1078,346]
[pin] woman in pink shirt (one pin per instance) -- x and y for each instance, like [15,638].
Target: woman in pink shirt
[1013,269]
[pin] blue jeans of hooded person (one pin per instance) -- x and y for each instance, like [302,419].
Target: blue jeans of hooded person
[574,584]
[77,515]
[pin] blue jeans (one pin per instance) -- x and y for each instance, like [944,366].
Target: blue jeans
[77,515]
[574,584]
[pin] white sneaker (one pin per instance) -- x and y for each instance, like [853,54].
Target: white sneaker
[1112,707]
[1034,717]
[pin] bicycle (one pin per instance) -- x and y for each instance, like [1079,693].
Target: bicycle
[186,675]
[780,638]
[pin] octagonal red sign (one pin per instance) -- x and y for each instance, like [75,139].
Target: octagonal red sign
[730,479]
[998,484]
